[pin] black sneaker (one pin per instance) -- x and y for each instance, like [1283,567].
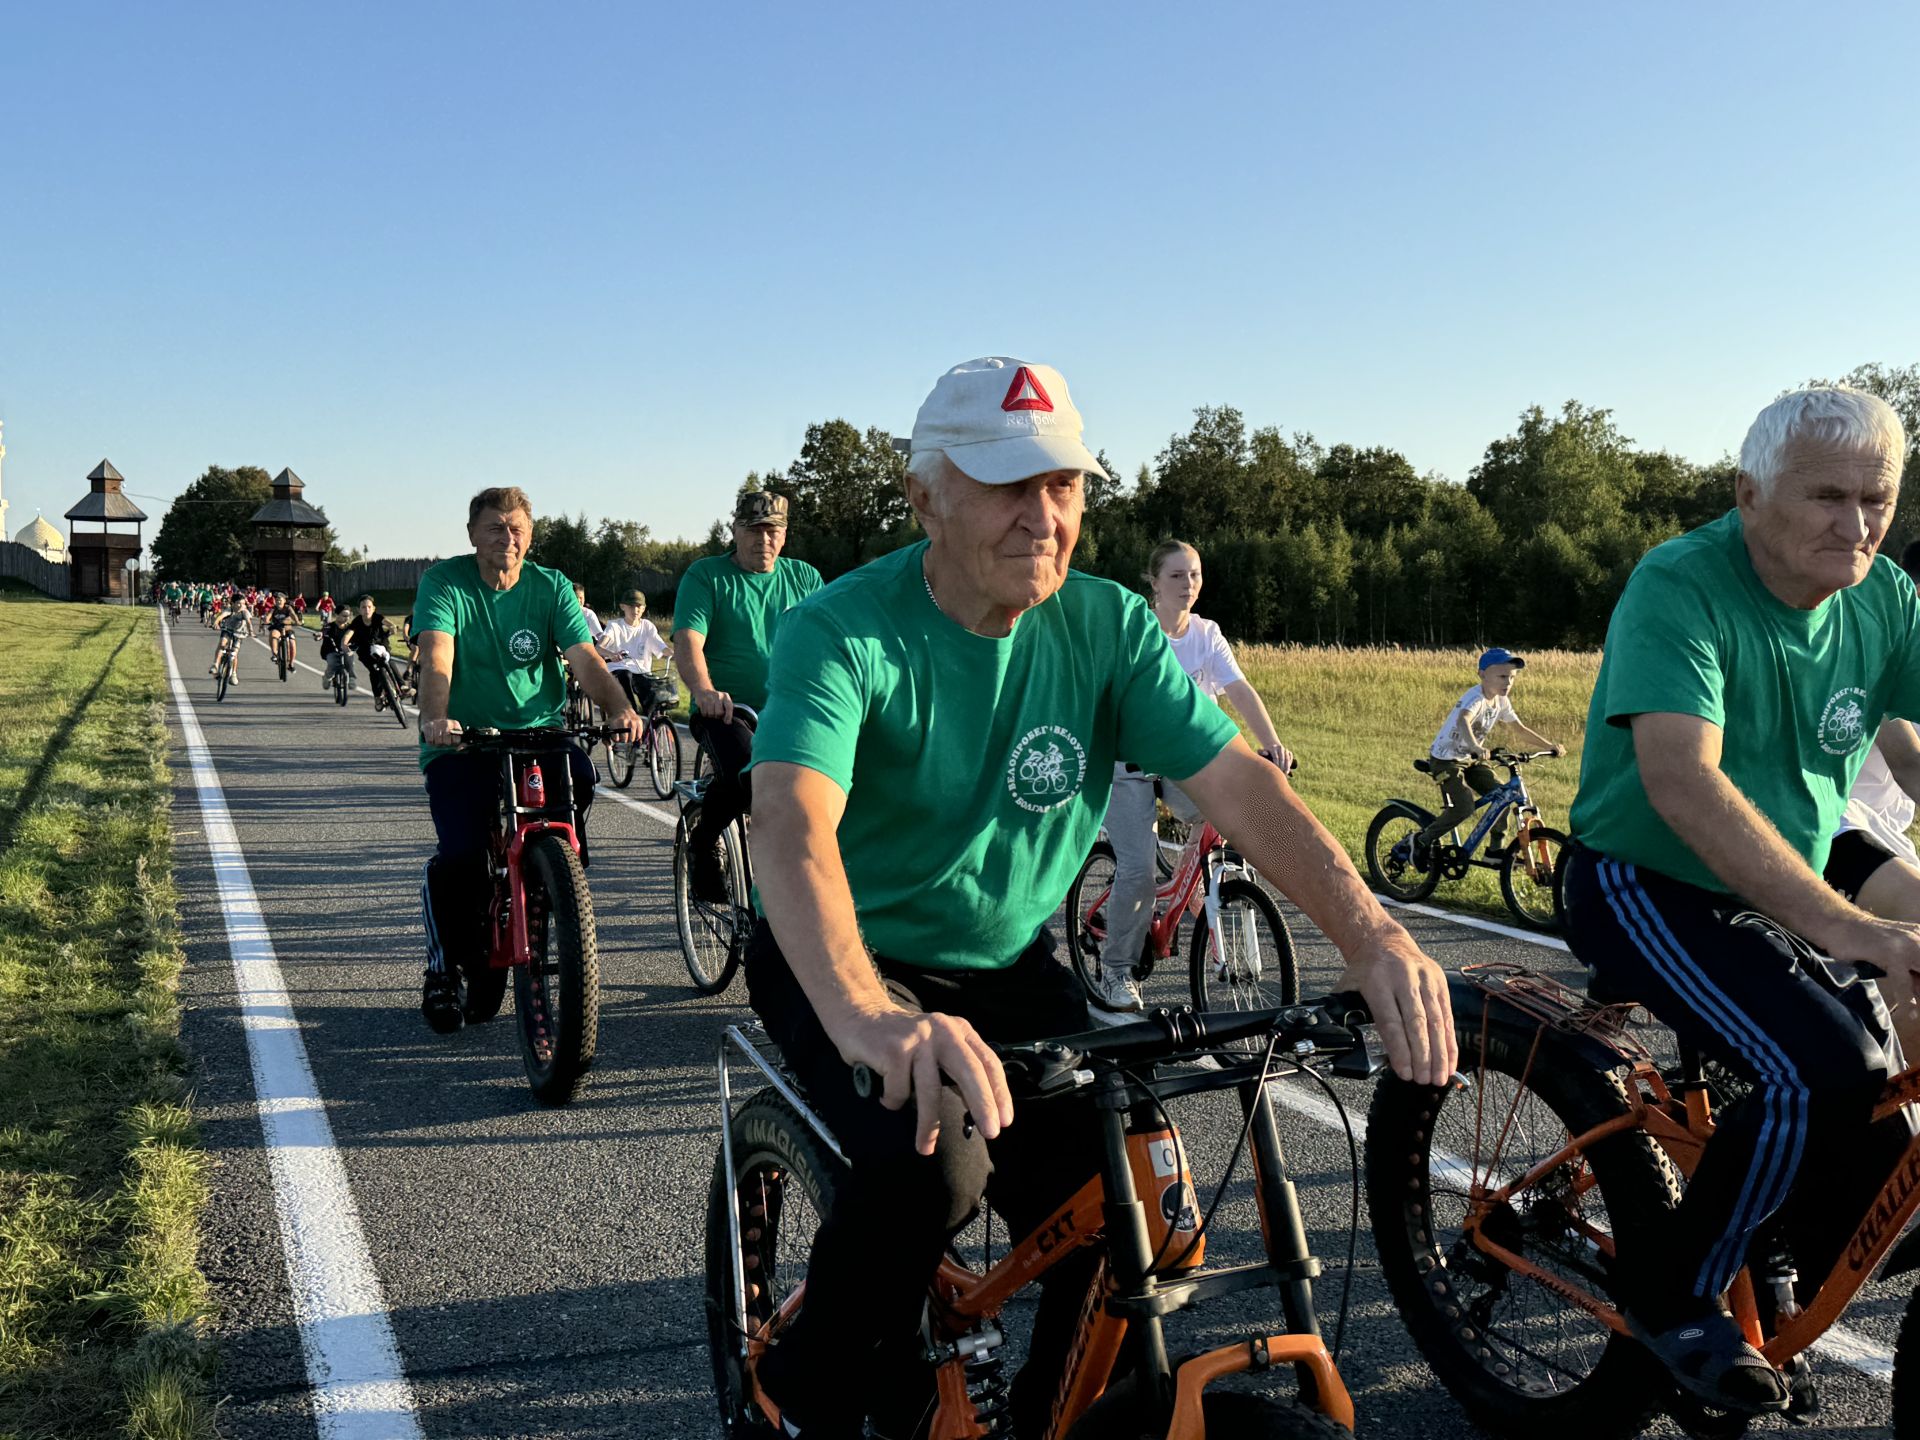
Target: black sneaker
[440,1003]
[1421,853]
[708,882]
[774,1380]
[1710,1359]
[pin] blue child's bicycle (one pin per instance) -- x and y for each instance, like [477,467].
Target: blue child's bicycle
[1525,852]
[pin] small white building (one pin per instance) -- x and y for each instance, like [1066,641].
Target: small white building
[44,540]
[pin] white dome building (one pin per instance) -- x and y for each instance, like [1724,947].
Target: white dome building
[44,540]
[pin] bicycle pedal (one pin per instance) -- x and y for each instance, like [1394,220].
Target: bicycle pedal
[1803,1393]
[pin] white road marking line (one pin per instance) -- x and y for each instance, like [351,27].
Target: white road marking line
[1473,922]
[360,1388]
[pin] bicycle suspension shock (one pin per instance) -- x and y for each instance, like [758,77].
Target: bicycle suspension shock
[987,1386]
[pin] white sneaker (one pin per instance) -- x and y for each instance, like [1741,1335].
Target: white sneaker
[1118,991]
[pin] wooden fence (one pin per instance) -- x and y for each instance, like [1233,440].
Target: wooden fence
[20,563]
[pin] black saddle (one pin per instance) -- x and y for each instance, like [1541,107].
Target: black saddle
[1425,767]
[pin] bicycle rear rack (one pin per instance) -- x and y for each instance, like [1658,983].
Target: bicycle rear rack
[751,1041]
[1559,1006]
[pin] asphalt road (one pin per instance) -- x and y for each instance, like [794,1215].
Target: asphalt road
[541,1268]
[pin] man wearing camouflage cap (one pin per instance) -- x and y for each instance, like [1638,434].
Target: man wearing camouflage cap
[724,617]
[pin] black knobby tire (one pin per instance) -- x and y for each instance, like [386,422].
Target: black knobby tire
[786,1179]
[557,993]
[712,937]
[1534,900]
[220,673]
[1521,1360]
[1389,866]
[1121,1414]
[1906,1374]
[1260,967]
[663,756]
[393,695]
[1087,933]
[620,762]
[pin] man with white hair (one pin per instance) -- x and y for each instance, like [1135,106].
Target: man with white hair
[939,738]
[1748,666]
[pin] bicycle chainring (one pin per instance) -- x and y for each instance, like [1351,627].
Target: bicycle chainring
[1453,862]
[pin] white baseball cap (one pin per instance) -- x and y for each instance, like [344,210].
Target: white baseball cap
[1001,420]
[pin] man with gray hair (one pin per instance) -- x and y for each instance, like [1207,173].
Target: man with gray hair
[933,765]
[1748,666]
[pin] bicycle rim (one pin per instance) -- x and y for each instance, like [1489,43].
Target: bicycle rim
[1087,899]
[1249,963]
[711,935]
[620,763]
[663,758]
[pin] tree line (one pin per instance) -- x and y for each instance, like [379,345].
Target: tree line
[1302,541]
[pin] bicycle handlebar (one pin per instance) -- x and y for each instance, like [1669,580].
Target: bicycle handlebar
[1519,757]
[1329,1025]
[541,737]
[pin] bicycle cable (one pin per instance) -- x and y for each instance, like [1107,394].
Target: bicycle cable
[1353,1206]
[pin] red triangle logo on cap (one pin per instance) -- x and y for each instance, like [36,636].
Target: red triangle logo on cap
[1025,393]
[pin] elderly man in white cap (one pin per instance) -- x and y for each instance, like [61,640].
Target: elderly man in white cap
[932,767]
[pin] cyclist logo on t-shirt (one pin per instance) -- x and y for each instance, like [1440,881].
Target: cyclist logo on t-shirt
[1843,724]
[524,645]
[1046,768]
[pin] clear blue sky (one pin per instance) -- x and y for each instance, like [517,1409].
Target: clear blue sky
[622,254]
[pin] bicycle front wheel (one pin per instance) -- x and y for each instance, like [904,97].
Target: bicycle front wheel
[1520,1357]
[221,671]
[663,757]
[784,1181]
[1529,878]
[712,932]
[1253,967]
[1087,914]
[619,763]
[557,991]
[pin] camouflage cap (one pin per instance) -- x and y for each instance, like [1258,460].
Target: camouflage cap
[760,507]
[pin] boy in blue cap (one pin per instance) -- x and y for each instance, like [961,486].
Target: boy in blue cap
[1462,744]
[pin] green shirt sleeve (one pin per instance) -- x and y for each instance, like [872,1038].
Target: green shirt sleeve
[693,604]
[1661,658]
[816,699]
[433,607]
[1167,725]
[569,624]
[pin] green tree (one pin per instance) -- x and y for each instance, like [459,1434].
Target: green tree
[1574,469]
[1372,490]
[205,534]
[848,494]
[1899,386]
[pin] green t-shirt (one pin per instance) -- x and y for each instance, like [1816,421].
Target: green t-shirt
[506,644]
[1798,694]
[976,770]
[737,610]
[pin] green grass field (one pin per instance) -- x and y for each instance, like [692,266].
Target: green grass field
[102,1304]
[1359,719]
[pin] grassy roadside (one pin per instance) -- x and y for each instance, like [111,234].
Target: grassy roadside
[1359,718]
[101,1174]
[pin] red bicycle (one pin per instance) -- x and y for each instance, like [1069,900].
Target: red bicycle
[1241,956]
[540,926]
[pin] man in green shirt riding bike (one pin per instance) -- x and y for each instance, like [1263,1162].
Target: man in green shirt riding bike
[725,613]
[492,627]
[932,767]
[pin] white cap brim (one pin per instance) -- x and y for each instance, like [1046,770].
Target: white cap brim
[1021,457]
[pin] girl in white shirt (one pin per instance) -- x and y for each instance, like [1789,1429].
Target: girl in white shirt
[1173,577]
[630,645]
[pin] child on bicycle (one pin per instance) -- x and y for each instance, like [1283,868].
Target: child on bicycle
[333,650]
[1461,745]
[631,644]
[234,627]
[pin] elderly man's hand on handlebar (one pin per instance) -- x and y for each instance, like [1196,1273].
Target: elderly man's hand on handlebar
[629,724]
[910,1051]
[443,734]
[715,705]
[1407,992]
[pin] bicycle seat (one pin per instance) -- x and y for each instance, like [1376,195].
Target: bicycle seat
[1425,767]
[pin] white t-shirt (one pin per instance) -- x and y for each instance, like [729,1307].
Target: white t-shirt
[1480,715]
[642,642]
[1204,654]
[1880,809]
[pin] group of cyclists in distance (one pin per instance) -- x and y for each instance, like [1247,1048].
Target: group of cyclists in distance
[943,733]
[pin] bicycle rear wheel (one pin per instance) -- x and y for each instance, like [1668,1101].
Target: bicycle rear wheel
[785,1180]
[1529,878]
[1521,1358]
[1086,914]
[713,935]
[1256,967]
[1390,856]
[663,756]
[557,992]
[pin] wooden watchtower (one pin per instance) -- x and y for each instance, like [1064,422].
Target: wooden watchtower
[99,556]
[289,540]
